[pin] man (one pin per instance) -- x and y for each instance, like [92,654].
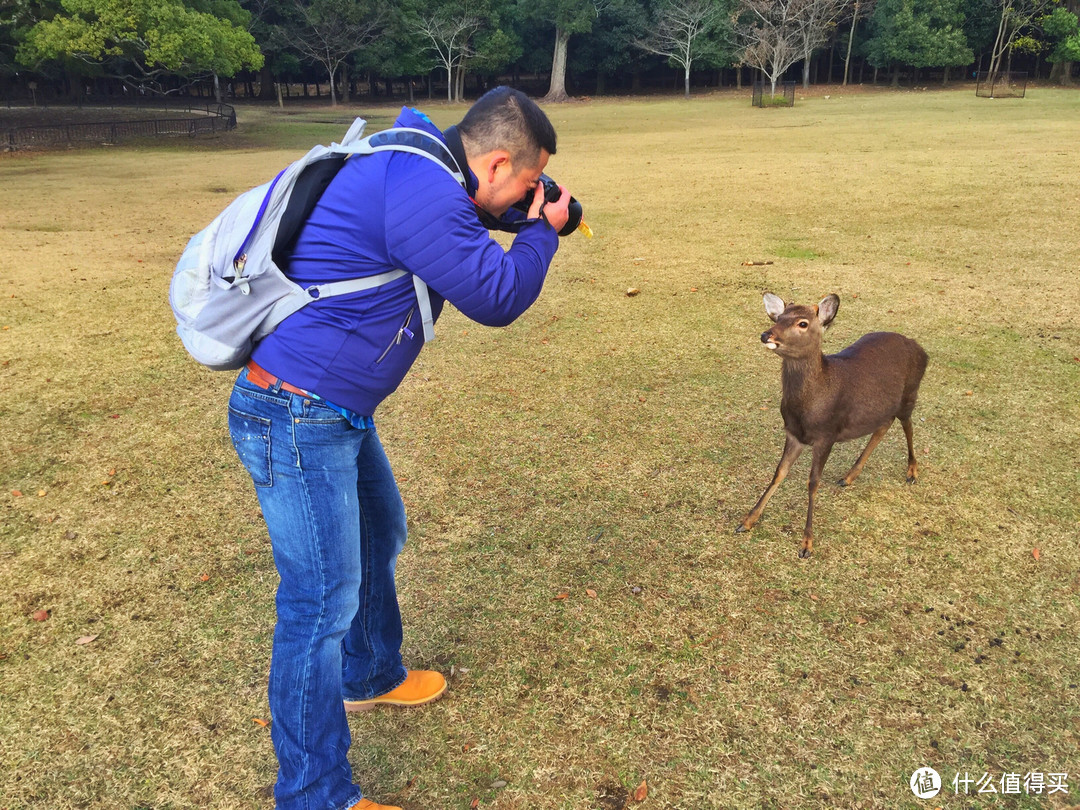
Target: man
[300,414]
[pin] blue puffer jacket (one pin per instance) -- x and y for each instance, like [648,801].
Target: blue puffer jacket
[384,211]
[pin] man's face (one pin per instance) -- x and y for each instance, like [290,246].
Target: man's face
[502,184]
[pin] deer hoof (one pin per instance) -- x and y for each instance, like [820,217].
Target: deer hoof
[911,479]
[741,528]
[842,483]
[804,553]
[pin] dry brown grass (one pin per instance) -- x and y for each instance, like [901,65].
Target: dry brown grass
[602,443]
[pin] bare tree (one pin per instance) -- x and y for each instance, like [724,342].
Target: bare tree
[1016,15]
[816,21]
[769,34]
[451,39]
[330,31]
[861,8]
[677,32]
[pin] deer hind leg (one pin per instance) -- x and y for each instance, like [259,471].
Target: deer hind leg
[821,455]
[912,466]
[853,473]
[792,449]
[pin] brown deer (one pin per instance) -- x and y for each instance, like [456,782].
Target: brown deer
[835,398]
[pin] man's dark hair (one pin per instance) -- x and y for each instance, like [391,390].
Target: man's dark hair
[505,118]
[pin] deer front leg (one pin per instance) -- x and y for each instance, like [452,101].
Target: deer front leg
[792,448]
[853,473]
[821,455]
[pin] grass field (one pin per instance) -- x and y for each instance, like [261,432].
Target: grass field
[573,480]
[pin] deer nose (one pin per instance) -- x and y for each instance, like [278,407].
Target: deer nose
[766,337]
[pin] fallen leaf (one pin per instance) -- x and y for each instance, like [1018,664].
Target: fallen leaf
[969,393]
[563,595]
[860,620]
[693,289]
[813,597]
[590,593]
[111,471]
[85,639]
[204,577]
[39,615]
[41,493]
[633,291]
[641,792]
[475,803]
[498,784]
[1035,553]
[260,722]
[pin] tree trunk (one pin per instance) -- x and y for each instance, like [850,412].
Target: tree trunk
[344,83]
[686,81]
[217,89]
[806,71]
[557,89]
[280,101]
[1061,73]
[267,86]
[851,39]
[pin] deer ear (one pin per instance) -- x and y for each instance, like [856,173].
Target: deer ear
[827,309]
[774,305]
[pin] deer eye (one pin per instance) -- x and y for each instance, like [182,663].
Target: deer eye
[804,324]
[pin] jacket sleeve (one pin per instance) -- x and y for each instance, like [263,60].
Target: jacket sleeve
[433,232]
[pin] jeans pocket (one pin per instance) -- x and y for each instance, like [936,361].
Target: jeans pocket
[251,439]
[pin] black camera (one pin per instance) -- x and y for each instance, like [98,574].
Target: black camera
[552,194]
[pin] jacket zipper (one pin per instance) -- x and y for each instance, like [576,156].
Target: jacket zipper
[402,333]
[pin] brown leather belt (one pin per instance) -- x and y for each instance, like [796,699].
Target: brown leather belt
[262,378]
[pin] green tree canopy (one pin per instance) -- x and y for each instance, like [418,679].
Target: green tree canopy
[1063,29]
[919,33]
[139,41]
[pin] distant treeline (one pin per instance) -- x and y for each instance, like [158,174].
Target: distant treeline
[453,49]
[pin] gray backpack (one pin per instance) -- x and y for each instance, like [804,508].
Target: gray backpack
[228,290]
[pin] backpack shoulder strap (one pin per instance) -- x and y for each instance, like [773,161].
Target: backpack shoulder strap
[404,139]
[418,142]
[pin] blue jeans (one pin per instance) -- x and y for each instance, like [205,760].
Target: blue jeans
[337,524]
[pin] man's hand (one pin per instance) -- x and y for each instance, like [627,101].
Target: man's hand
[555,213]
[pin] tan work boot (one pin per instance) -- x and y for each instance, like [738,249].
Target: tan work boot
[368,804]
[420,686]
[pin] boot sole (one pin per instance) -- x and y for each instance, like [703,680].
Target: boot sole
[368,705]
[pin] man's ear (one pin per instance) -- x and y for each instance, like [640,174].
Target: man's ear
[496,160]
